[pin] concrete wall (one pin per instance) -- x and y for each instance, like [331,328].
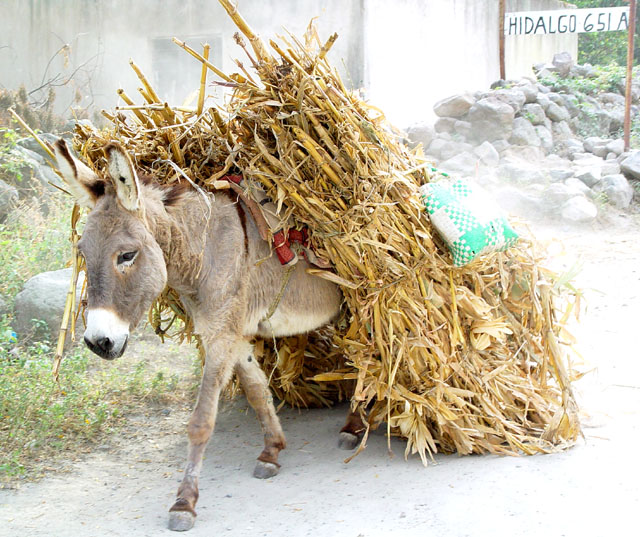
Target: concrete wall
[406,53]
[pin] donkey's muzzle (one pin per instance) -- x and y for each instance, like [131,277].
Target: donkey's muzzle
[106,348]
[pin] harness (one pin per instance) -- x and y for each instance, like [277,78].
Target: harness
[271,227]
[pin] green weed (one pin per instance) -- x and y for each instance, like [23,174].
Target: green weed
[41,420]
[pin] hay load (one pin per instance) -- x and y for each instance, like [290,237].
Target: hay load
[467,359]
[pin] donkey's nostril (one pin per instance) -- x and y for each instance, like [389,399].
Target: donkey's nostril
[105,344]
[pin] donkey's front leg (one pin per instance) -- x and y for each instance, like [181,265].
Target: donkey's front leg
[220,359]
[256,388]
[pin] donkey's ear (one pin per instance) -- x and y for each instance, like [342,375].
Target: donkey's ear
[83,183]
[123,176]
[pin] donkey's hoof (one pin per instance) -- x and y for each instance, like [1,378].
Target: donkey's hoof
[265,470]
[181,520]
[348,441]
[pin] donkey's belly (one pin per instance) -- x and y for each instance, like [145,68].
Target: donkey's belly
[284,323]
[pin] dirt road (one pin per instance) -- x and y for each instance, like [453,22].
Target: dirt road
[125,487]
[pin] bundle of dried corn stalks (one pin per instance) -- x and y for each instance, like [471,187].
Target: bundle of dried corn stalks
[452,359]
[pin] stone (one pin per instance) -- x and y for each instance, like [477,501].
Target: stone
[521,173]
[462,164]
[559,175]
[611,98]
[435,147]
[577,185]
[557,194]
[515,201]
[513,97]
[452,148]
[454,106]
[563,62]
[529,90]
[610,167]
[501,145]
[630,166]
[462,128]
[557,113]
[616,117]
[423,133]
[487,154]
[596,145]
[562,131]
[30,143]
[571,103]
[590,178]
[445,124]
[43,299]
[525,154]
[543,100]
[616,146]
[545,137]
[524,133]
[578,209]
[8,199]
[534,113]
[618,190]
[491,119]
[542,89]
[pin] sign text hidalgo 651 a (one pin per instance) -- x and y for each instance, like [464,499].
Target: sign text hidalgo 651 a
[566,21]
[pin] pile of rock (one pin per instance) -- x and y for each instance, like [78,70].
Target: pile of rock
[523,134]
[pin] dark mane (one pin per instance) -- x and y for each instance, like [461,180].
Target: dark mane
[171,193]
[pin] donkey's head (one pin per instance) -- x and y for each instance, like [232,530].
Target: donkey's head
[126,270]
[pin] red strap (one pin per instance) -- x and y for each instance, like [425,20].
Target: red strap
[281,246]
[237,179]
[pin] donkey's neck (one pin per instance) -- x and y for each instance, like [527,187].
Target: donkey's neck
[187,232]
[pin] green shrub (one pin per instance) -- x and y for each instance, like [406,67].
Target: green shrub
[40,420]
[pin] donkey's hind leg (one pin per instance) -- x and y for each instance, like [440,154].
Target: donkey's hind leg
[255,386]
[352,431]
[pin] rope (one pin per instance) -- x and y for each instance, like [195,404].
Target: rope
[276,301]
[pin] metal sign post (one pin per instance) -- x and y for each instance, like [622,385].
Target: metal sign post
[501,42]
[627,95]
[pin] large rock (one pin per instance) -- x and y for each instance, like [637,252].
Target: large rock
[445,124]
[529,89]
[597,146]
[8,199]
[534,113]
[487,154]
[563,62]
[631,166]
[524,133]
[616,146]
[42,299]
[422,133]
[491,119]
[526,204]
[454,106]
[461,164]
[557,113]
[545,137]
[618,190]
[513,97]
[451,149]
[578,209]
[557,194]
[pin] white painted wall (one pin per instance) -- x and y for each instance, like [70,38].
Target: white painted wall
[406,53]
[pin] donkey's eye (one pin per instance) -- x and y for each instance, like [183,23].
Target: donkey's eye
[127,258]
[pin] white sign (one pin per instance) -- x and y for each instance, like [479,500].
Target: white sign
[566,21]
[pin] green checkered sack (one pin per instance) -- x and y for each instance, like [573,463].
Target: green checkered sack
[467,219]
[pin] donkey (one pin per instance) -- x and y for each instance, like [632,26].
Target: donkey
[140,237]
